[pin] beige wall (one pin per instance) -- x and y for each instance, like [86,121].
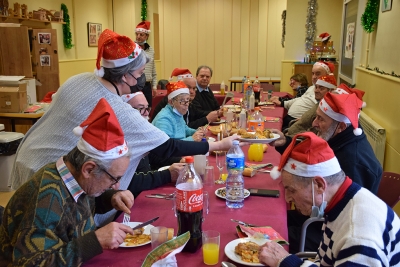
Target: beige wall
[329,18]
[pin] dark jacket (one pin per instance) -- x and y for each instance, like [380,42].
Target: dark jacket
[355,156]
[196,117]
[206,100]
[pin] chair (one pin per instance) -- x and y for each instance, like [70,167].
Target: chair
[389,188]
[162,84]
[302,253]
[217,87]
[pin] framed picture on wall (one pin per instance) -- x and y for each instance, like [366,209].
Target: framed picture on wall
[386,5]
[94,31]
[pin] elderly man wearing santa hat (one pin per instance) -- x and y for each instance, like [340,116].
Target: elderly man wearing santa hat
[359,228]
[142,32]
[297,106]
[196,116]
[49,219]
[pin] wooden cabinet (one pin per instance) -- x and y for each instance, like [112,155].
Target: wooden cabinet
[31,53]
[306,68]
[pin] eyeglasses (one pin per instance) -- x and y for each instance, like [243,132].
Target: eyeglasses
[143,110]
[115,180]
[182,102]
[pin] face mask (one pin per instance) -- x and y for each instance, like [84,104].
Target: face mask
[142,43]
[139,86]
[317,212]
[176,111]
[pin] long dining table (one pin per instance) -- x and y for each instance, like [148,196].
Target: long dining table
[257,210]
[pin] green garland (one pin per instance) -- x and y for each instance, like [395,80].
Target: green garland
[66,28]
[144,10]
[370,16]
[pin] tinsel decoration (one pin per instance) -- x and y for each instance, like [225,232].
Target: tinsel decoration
[66,28]
[283,28]
[311,24]
[143,14]
[370,16]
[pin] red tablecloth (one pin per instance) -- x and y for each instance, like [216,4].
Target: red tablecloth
[257,210]
[220,98]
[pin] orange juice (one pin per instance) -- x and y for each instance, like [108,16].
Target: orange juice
[222,91]
[223,176]
[210,253]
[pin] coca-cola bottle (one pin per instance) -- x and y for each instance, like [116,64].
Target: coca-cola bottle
[189,205]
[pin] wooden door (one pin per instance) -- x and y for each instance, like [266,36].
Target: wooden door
[45,61]
[15,55]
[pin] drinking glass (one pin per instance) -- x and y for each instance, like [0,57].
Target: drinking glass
[208,176]
[221,163]
[228,127]
[210,247]
[158,235]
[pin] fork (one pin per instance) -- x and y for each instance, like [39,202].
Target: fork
[127,218]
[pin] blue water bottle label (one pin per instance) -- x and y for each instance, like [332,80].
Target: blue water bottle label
[235,163]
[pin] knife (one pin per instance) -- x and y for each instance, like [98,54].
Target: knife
[145,223]
[243,223]
[159,196]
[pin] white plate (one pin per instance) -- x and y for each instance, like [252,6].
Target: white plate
[231,106]
[146,232]
[260,141]
[222,189]
[217,122]
[211,139]
[163,168]
[230,250]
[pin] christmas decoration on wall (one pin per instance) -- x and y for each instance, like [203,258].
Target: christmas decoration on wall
[283,28]
[393,74]
[143,14]
[66,28]
[311,23]
[370,16]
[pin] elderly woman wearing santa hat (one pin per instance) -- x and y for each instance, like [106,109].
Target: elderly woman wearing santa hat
[170,118]
[119,67]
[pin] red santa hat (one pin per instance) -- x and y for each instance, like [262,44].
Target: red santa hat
[344,89]
[327,81]
[176,88]
[343,108]
[103,137]
[126,98]
[181,74]
[114,51]
[143,26]
[309,158]
[324,36]
[328,66]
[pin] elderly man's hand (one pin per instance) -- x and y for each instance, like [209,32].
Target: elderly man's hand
[281,141]
[271,253]
[112,235]
[212,116]
[175,169]
[276,102]
[123,201]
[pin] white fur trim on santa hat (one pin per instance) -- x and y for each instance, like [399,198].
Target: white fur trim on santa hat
[111,154]
[325,84]
[326,168]
[325,108]
[115,63]
[324,66]
[183,76]
[178,92]
[142,30]
[126,98]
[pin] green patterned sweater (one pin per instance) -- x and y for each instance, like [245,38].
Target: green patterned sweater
[44,226]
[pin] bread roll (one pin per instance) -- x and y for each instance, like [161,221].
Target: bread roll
[249,172]
[265,147]
[170,233]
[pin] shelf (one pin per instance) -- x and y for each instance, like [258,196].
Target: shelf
[46,22]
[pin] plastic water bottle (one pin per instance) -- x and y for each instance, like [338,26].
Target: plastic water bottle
[248,90]
[243,82]
[251,102]
[234,182]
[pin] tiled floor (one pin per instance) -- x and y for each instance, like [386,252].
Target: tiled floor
[5,197]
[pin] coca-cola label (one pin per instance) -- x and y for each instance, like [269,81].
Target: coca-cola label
[189,201]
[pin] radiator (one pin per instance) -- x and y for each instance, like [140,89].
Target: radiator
[376,135]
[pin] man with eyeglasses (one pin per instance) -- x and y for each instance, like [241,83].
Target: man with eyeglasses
[196,116]
[205,97]
[49,220]
[144,178]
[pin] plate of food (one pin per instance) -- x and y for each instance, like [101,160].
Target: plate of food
[140,238]
[245,250]
[221,192]
[261,137]
[164,168]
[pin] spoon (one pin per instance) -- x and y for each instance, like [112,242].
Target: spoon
[227,264]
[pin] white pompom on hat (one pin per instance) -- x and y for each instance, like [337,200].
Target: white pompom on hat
[115,51]
[309,158]
[343,108]
[102,138]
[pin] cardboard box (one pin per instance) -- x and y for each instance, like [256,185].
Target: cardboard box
[13,98]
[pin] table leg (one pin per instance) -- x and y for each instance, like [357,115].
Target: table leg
[13,125]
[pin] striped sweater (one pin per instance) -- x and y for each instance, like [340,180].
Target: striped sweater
[361,230]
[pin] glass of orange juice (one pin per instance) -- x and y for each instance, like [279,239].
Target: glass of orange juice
[210,247]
